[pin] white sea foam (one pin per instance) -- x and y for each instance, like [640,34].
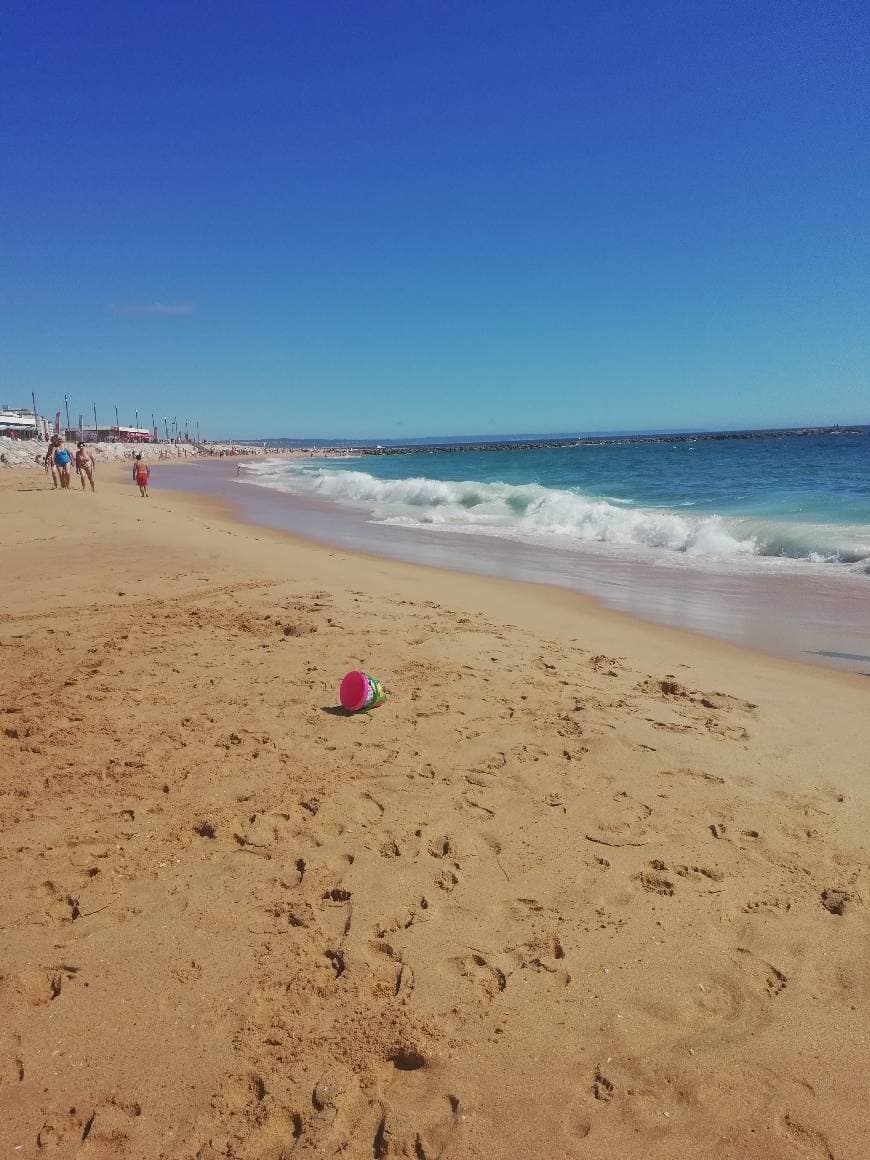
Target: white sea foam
[539,514]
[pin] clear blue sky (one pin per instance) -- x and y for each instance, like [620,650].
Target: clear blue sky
[403,218]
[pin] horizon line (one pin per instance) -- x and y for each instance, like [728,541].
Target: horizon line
[625,433]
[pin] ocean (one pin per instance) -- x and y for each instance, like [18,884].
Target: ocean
[796,500]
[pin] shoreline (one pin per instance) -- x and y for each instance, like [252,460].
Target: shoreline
[814,618]
[584,886]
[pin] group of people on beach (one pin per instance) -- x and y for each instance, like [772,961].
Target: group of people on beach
[58,461]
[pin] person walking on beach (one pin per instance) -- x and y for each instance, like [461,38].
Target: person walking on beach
[85,465]
[48,463]
[141,474]
[62,461]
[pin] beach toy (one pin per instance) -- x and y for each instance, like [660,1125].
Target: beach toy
[359,692]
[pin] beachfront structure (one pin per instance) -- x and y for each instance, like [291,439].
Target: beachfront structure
[21,422]
[112,434]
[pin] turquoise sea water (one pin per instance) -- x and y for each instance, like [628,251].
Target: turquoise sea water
[804,499]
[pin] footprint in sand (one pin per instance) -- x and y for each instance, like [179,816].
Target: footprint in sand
[655,881]
[442,847]
[400,975]
[474,804]
[487,978]
[405,919]
[697,1005]
[605,664]
[621,824]
[809,1141]
[59,1131]
[718,1000]
[576,1125]
[264,831]
[721,832]
[424,1129]
[775,981]
[543,955]
[699,873]
[107,1131]
[669,689]
[11,1061]
[273,1137]
[772,980]
[36,986]
[602,1088]
[693,775]
[731,732]
[335,916]
[447,881]
[368,811]
[671,726]
[766,906]
[404,981]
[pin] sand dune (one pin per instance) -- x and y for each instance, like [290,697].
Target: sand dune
[582,888]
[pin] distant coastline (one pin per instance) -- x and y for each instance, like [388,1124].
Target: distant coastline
[537,443]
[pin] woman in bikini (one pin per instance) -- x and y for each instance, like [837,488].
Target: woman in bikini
[141,474]
[85,466]
[62,460]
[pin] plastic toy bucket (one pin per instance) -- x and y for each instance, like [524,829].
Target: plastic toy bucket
[359,692]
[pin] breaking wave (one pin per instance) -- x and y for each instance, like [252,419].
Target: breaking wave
[535,513]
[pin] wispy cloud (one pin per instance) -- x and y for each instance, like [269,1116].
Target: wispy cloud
[154,308]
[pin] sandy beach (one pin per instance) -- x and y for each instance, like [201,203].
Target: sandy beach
[584,887]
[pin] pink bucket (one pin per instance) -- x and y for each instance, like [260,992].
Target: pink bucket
[359,692]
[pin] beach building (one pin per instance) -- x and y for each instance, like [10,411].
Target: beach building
[112,434]
[21,423]
[135,435]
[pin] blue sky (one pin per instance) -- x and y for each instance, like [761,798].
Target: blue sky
[408,219]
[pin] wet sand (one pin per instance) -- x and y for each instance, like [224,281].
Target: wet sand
[584,887]
[821,616]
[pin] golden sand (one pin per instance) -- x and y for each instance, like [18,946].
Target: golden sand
[583,887]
